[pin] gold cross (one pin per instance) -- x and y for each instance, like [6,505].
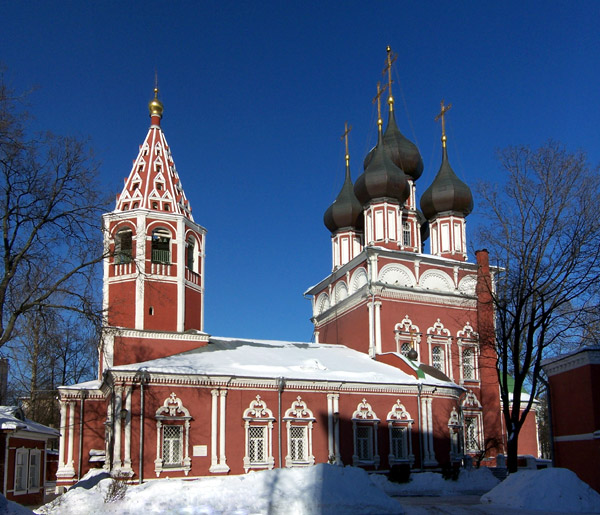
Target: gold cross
[377,99]
[345,138]
[391,59]
[444,110]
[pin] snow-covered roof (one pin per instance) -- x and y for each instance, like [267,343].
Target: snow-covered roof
[243,358]
[12,419]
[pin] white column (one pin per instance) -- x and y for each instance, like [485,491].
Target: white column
[430,431]
[222,458]
[181,264]
[336,425]
[63,434]
[127,457]
[330,448]
[140,263]
[378,349]
[372,349]
[213,431]
[202,283]
[117,436]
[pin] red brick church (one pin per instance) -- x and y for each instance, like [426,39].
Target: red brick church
[401,370]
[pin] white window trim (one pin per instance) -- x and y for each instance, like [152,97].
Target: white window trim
[406,332]
[25,472]
[257,414]
[398,417]
[298,415]
[455,428]
[172,412]
[439,336]
[471,408]
[365,416]
[38,453]
[467,338]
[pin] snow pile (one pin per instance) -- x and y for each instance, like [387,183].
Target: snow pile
[548,490]
[12,508]
[473,481]
[320,489]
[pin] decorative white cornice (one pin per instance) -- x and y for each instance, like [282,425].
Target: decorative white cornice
[577,359]
[161,335]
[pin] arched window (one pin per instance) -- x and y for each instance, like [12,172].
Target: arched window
[172,436]
[299,421]
[161,246]
[123,246]
[190,256]
[259,435]
[406,239]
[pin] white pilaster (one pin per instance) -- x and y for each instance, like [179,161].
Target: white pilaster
[213,430]
[378,349]
[181,264]
[127,450]
[222,458]
[140,262]
[117,436]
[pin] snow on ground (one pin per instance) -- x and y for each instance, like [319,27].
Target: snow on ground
[547,490]
[322,489]
[12,508]
[327,489]
[475,481]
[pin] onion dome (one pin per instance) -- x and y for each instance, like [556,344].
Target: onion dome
[155,106]
[381,178]
[447,192]
[403,152]
[346,210]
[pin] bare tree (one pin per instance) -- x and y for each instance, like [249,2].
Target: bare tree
[50,207]
[50,349]
[544,231]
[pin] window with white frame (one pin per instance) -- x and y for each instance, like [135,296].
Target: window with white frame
[172,431]
[437,358]
[438,340]
[172,445]
[400,432]
[299,423]
[364,425]
[406,239]
[472,423]
[21,463]
[35,457]
[407,336]
[258,422]
[468,362]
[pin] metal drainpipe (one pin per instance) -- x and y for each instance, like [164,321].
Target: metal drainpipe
[80,435]
[419,387]
[280,390]
[142,429]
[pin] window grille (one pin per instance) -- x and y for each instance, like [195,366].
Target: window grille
[468,364]
[406,348]
[406,239]
[397,443]
[257,445]
[161,248]
[364,442]
[471,440]
[298,443]
[172,445]
[437,355]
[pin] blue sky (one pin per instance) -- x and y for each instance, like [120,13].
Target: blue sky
[256,95]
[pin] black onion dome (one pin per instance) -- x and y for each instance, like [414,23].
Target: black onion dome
[381,178]
[346,210]
[403,152]
[446,193]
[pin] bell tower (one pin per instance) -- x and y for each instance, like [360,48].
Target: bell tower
[154,269]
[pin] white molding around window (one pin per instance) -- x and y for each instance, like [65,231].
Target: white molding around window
[299,424]
[472,412]
[400,435]
[468,354]
[364,429]
[21,470]
[438,337]
[34,482]
[259,435]
[172,437]
[407,336]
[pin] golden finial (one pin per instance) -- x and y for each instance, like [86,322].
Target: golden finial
[444,110]
[377,99]
[391,58]
[155,106]
[345,138]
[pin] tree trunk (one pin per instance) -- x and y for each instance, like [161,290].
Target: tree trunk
[512,453]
